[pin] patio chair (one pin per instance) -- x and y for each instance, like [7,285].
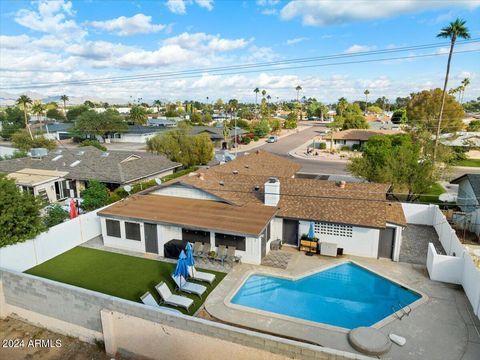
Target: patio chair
[197,249]
[189,287]
[200,275]
[170,299]
[206,249]
[221,254]
[231,255]
[148,299]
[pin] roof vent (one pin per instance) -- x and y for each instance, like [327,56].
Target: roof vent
[235,172]
[221,183]
[57,157]
[75,163]
[80,153]
[105,154]
[257,187]
[59,151]
[247,166]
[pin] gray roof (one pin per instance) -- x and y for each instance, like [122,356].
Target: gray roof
[139,129]
[59,127]
[473,179]
[117,167]
[161,122]
[215,133]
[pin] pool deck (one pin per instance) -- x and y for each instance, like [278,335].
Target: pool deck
[441,326]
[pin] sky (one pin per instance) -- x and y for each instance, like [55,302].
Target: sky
[56,41]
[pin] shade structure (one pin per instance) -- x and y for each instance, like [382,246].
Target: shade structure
[73,209]
[181,270]
[189,251]
[311,231]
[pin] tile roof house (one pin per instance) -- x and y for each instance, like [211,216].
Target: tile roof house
[216,134]
[114,168]
[356,137]
[256,198]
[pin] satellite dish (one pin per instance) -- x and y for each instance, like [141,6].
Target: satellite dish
[127,188]
[158,181]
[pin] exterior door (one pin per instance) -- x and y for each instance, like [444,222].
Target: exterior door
[151,240]
[290,232]
[386,243]
[264,246]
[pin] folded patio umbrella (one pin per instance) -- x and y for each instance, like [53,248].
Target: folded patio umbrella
[311,231]
[182,267]
[190,259]
[73,209]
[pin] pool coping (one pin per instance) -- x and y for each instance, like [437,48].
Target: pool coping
[263,271]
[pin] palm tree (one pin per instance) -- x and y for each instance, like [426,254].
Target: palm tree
[465,83]
[64,98]
[366,93]
[38,108]
[24,101]
[454,30]
[138,115]
[157,104]
[298,89]
[256,91]
[264,92]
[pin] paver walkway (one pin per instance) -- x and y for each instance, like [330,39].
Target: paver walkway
[277,259]
[415,239]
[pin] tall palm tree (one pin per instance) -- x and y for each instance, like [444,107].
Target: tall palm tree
[24,101]
[256,91]
[157,104]
[64,98]
[366,93]
[454,30]
[298,89]
[465,83]
[38,108]
[264,92]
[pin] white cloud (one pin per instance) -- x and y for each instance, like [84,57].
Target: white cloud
[180,6]
[296,40]
[125,26]
[358,48]
[267,2]
[207,42]
[13,42]
[318,13]
[207,4]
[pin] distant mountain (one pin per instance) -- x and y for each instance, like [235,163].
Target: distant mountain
[7,98]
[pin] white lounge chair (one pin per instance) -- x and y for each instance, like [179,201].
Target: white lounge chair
[231,255]
[188,287]
[170,299]
[148,299]
[200,275]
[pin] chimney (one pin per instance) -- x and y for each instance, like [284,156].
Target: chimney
[272,191]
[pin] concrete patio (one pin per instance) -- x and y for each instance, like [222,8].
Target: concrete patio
[443,327]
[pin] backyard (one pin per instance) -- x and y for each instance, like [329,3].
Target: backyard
[123,276]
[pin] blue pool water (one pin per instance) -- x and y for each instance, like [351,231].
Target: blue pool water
[346,296]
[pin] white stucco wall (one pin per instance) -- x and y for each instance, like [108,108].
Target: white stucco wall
[132,138]
[122,242]
[364,241]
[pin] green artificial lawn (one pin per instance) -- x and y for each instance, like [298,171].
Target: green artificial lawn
[123,276]
[432,194]
[468,162]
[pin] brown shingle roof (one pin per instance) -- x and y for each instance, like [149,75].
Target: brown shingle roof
[249,219]
[362,135]
[395,214]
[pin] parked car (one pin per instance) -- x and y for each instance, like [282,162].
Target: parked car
[272,139]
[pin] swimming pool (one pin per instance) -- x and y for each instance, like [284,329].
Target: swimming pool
[346,296]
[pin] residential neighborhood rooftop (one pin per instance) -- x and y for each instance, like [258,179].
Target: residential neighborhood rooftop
[33,177]
[360,134]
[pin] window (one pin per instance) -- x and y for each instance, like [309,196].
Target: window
[230,240]
[324,228]
[113,228]
[132,231]
[196,235]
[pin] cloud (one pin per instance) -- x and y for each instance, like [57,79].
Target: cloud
[267,2]
[206,42]
[125,26]
[318,13]
[13,42]
[180,6]
[296,40]
[358,48]
[269,12]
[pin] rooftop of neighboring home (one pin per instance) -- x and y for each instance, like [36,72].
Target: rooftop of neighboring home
[361,134]
[34,177]
[161,122]
[88,163]
[473,179]
[461,138]
[62,127]
[216,133]
[140,129]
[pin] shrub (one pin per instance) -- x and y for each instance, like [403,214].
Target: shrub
[94,143]
[345,148]
[322,146]
[357,147]
[94,196]
[255,138]
[261,129]
[55,215]
[246,140]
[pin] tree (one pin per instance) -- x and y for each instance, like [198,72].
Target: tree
[456,29]
[262,128]
[225,132]
[94,196]
[89,104]
[64,98]
[291,121]
[341,106]
[24,101]
[196,118]
[76,111]
[157,104]
[354,121]
[218,104]
[55,215]
[138,115]
[474,125]
[366,93]
[202,149]
[19,214]
[424,107]
[375,109]
[399,116]
[38,108]
[465,83]
[22,140]
[91,123]
[94,143]
[55,114]
[275,125]
[12,120]
[298,89]
[398,161]
[256,91]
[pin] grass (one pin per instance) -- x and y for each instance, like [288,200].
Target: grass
[123,276]
[432,194]
[468,162]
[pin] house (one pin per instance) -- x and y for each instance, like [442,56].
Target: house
[463,139]
[251,201]
[58,131]
[354,137]
[217,136]
[468,199]
[50,185]
[113,168]
[135,134]
[161,122]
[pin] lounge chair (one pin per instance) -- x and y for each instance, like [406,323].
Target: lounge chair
[189,287]
[170,299]
[200,275]
[148,299]
[197,248]
[207,247]
[222,253]
[231,255]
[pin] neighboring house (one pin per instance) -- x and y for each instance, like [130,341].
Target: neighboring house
[251,201]
[167,123]
[468,199]
[461,138]
[216,134]
[135,134]
[113,168]
[50,185]
[354,137]
[58,131]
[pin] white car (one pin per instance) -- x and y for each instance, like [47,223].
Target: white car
[272,139]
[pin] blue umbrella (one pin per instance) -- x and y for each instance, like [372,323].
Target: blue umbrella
[311,231]
[190,260]
[182,267]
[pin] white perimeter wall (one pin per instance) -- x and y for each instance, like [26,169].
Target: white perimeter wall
[47,245]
